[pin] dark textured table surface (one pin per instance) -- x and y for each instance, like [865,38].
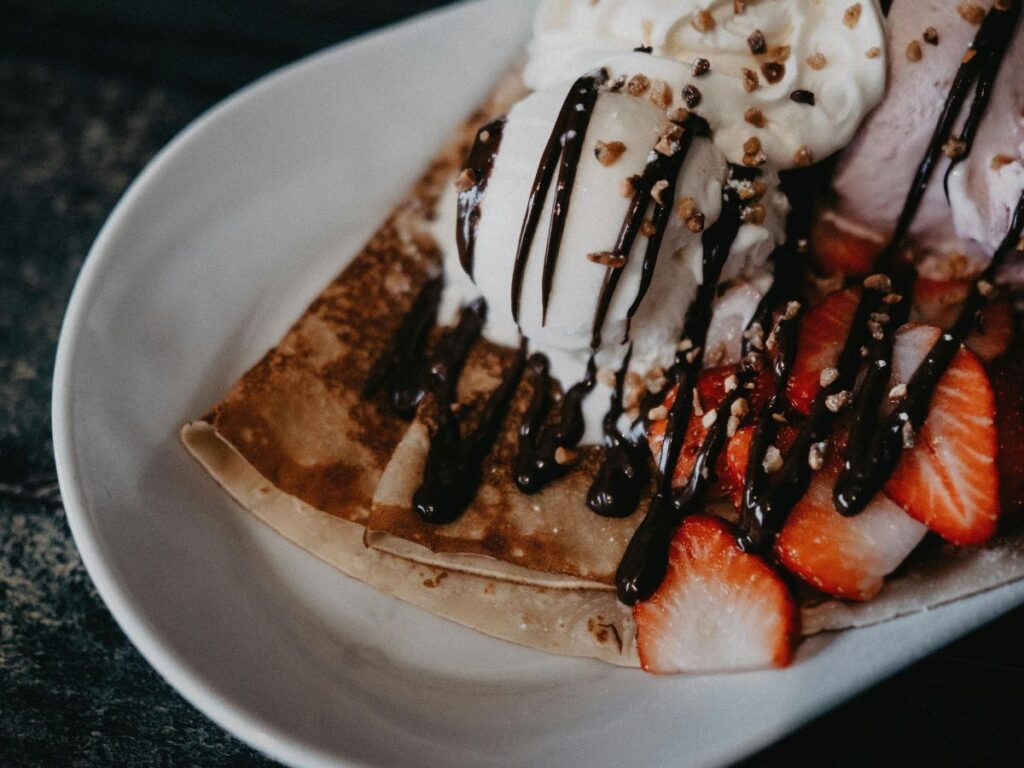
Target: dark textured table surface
[89,91]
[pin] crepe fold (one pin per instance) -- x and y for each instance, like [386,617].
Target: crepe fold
[295,443]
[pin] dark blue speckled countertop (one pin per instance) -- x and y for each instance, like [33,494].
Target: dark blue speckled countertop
[89,91]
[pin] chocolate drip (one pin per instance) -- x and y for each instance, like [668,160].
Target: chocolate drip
[623,473]
[480,163]
[537,462]
[643,564]
[991,50]
[871,461]
[402,369]
[564,144]
[451,475]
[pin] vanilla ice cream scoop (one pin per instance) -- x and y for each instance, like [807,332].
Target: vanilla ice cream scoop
[796,77]
[958,234]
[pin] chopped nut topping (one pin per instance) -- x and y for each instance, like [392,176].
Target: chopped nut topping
[779,53]
[685,208]
[757,43]
[803,245]
[772,460]
[816,455]
[627,187]
[750,80]
[802,96]
[658,191]
[730,383]
[638,84]
[745,192]
[780,418]
[466,180]
[695,222]
[564,456]
[914,52]
[678,115]
[658,414]
[739,408]
[972,13]
[838,401]
[732,426]
[701,66]
[669,130]
[754,214]
[703,21]
[666,147]
[817,61]
[693,354]
[616,83]
[803,157]
[851,16]
[931,36]
[954,147]
[608,153]
[999,161]
[739,6]
[654,380]
[827,376]
[908,435]
[709,418]
[606,377]
[892,298]
[647,228]
[773,71]
[753,161]
[985,288]
[607,259]
[753,362]
[970,54]
[755,117]
[661,94]
[684,345]
[900,390]
[752,146]
[873,52]
[691,95]
[698,407]
[878,282]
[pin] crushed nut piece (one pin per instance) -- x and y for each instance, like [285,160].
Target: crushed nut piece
[779,53]
[908,435]
[693,354]
[739,408]
[638,84]
[753,161]
[666,147]
[970,54]
[564,456]
[607,259]
[698,407]
[703,21]
[972,13]
[892,298]
[669,130]
[466,180]
[678,115]
[752,146]
[873,52]
[851,16]
[658,191]
[914,52]
[709,418]
[803,157]
[657,414]
[773,71]
[817,61]
[816,455]
[750,80]
[754,214]
[691,95]
[954,147]
[739,6]
[755,117]
[606,377]
[999,161]
[731,426]
[772,460]
[757,43]
[931,36]
[647,228]
[701,66]
[684,345]
[695,222]
[730,383]
[827,376]
[900,390]
[608,153]
[878,282]
[661,94]
[685,208]
[985,288]
[616,83]
[838,401]
[627,187]
[780,418]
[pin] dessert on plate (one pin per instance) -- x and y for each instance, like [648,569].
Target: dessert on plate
[697,338]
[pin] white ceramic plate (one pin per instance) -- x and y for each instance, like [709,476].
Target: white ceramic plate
[213,251]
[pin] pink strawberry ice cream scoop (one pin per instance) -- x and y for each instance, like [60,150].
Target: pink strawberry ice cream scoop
[927,40]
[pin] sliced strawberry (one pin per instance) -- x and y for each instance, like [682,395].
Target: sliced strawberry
[822,335]
[846,557]
[718,610]
[949,479]
[836,251]
[938,302]
[733,470]
[1008,383]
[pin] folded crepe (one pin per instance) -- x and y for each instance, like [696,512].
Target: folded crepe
[296,443]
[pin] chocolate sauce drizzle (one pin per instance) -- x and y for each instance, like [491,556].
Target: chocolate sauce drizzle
[564,147]
[402,369]
[480,163]
[643,564]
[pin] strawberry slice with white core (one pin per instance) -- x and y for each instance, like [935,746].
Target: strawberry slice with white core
[822,335]
[846,557]
[718,609]
[949,479]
